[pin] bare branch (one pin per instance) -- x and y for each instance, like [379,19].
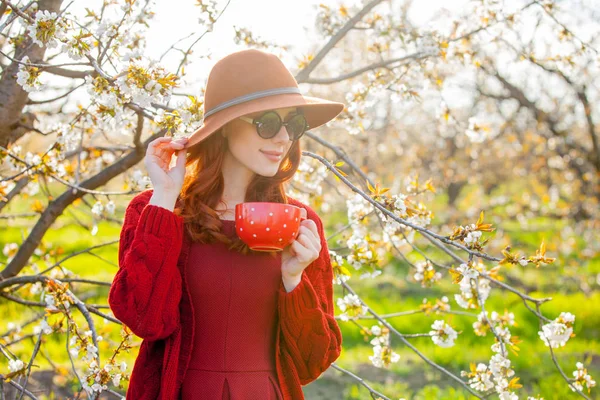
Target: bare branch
[13,97]
[304,74]
[382,64]
[60,203]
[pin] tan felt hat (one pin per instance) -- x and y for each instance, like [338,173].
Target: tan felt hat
[250,81]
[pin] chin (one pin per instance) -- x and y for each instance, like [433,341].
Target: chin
[267,168]
[267,172]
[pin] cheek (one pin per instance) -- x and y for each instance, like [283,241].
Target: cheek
[244,141]
[246,148]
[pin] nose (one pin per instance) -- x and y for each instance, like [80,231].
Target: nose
[282,136]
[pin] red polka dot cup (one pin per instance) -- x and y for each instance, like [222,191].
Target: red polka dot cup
[266,226]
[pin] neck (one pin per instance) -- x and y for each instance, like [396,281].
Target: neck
[236,179]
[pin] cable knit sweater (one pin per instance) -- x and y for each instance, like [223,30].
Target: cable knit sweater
[150,296]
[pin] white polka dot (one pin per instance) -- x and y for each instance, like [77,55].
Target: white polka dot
[252,208]
[251,222]
[286,210]
[280,239]
[241,229]
[285,225]
[296,219]
[254,234]
[268,229]
[270,214]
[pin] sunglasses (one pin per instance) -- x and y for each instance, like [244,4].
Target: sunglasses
[269,124]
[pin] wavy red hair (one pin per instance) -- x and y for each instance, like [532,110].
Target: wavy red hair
[203,188]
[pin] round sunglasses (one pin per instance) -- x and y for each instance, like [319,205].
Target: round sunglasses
[269,123]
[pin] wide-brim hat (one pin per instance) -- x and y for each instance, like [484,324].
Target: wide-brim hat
[250,81]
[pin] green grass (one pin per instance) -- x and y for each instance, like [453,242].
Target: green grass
[411,377]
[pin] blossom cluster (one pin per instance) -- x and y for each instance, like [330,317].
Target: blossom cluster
[558,332]
[340,272]
[443,334]
[498,374]
[494,375]
[309,177]
[98,208]
[144,82]
[183,119]
[28,76]
[16,365]
[138,180]
[50,162]
[47,29]
[329,20]
[351,307]
[472,285]
[499,322]
[383,354]
[582,378]
[364,255]
[440,306]
[425,274]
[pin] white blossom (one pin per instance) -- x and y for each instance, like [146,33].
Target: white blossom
[28,77]
[46,29]
[443,334]
[351,304]
[582,378]
[558,332]
[97,208]
[110,207]
[43,327]
[15,365]
[380,355]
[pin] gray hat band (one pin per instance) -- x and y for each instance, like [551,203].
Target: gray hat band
[251,96]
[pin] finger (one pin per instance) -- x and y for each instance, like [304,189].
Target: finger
[156,142]
[304,230]
[301,252]
[159,158]
[181,156]
[158,149]
[312,240]
[170,148]
[308,241]
[166,156]
[154,159]
[165,152]
[303,214]
[164,144]
[312,226]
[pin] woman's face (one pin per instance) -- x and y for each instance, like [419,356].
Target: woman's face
[247,147]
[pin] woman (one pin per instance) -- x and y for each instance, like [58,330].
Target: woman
[218,320]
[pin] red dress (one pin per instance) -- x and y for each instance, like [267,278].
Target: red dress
[150,294]
[235,309]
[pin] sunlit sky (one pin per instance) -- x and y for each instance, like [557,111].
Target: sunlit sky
[284,22]
[287,22]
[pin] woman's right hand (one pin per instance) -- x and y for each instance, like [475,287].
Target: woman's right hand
[158,157]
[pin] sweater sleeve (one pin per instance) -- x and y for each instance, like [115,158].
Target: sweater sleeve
[310,335]
[146,290]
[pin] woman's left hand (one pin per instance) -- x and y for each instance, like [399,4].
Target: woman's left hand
[303,250]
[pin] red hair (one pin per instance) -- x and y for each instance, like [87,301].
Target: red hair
[203,188]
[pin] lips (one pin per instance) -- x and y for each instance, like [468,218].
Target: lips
[273,153]
[273,156]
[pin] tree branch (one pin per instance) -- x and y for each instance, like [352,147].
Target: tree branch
[304,74]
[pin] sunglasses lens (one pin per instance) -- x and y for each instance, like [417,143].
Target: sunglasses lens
[270,123]
[296,125]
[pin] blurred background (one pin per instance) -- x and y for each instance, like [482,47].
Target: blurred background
[468,112]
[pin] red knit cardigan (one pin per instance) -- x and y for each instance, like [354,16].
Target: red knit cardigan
[149,295]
